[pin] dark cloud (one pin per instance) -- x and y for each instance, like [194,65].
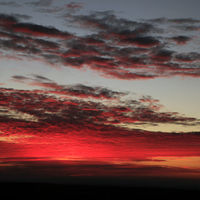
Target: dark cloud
[157,20]
[11,24]
[125,75]
[95,20]
[181,24]
[91,40]
[95,92]
[184,20]
[38,30]
[177,20]
[181,39]
[42,78]
[74,7]
[48,7]
[118,48]
[190,57]
[186,28]
[148,99]
[9,3]
[141,41]
[79,90]
[41,3]
[162,55]
[45,44]
[144,110]
[13,45]
[6,20]
[191,28]
[20,78]
[112,27]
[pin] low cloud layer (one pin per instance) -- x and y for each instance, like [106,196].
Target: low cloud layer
[96,105]
[74,121]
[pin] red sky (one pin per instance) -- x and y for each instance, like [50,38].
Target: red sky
[89,91]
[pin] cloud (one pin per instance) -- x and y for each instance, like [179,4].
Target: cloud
[61,140]
[141,41]
[181,39]
[70,123]
[117,48]
[6,20]
[38,30]
[74,7]
[42,78]
[190,57]
[48,7]
[9,3]
[162,55]
[114,28]
[79,90]
[174,20]
[184,20]
[82,109]
[41,3]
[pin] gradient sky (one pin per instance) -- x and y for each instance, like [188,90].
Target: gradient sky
[99,88]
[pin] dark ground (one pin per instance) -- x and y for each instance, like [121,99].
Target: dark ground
[13,190]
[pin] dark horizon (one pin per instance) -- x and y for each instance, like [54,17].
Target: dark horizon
[47,190]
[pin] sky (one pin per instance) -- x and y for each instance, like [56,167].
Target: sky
[99,89]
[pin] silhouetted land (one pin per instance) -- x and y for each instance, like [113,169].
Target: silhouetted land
[61,191]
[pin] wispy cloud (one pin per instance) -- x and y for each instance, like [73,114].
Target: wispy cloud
[48,7]
[41,3]
[74,7]
[9,3]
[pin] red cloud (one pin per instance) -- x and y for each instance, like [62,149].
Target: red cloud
[7,20]
[59,140]
[125,75]
[74,6]
[113,51]
[42,128]
[40,31]
[40,105]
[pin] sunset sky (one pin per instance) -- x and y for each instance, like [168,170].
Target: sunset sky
[106,88]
